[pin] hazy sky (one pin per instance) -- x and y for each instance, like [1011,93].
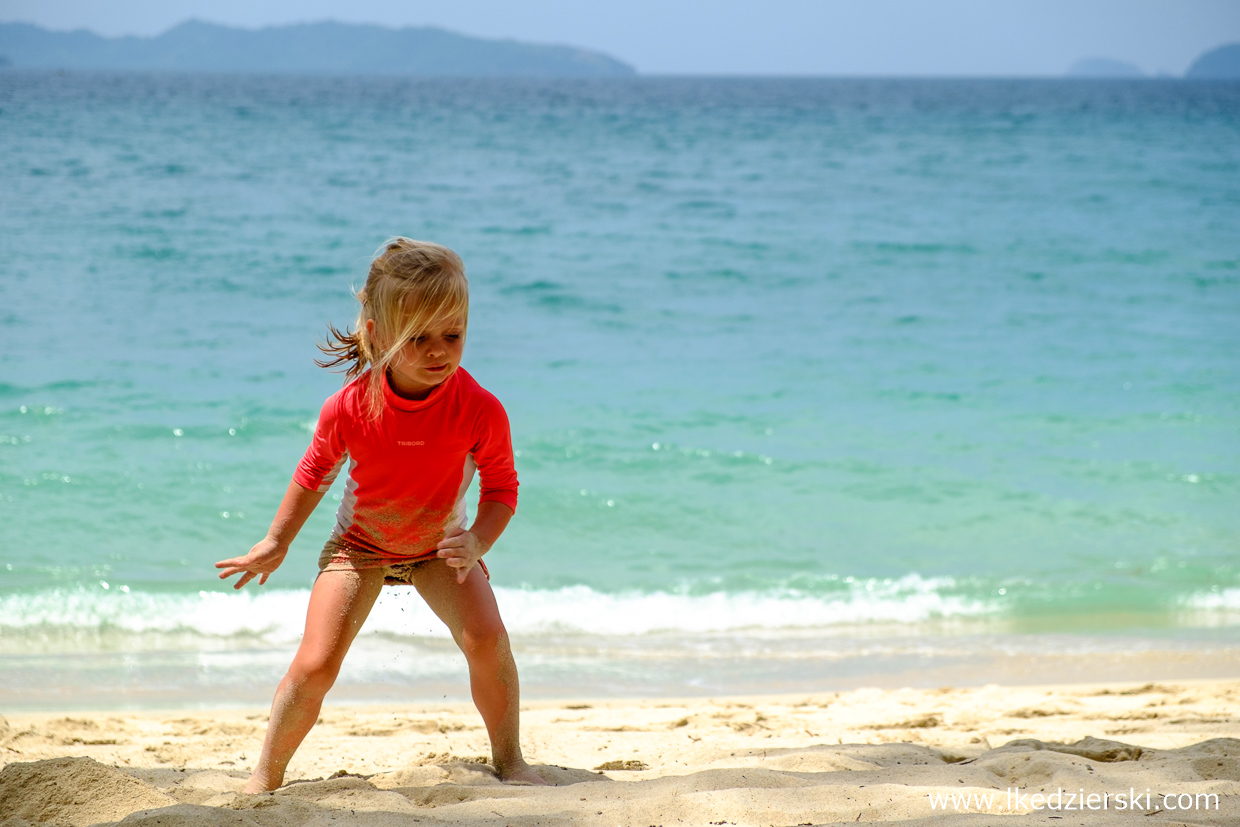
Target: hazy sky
[870,37]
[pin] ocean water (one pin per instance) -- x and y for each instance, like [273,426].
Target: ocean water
[813,383]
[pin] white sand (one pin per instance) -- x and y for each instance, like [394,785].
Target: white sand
[866,755]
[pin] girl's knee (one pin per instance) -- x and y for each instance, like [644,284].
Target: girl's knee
[483,638]
[314,675]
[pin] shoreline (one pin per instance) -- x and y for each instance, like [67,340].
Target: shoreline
[869,754]
[381,670]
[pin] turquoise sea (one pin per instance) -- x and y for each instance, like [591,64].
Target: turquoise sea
[814,383]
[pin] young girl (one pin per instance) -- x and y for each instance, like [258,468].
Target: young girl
[415,427]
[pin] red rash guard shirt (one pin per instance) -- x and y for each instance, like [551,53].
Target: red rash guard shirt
[409,469]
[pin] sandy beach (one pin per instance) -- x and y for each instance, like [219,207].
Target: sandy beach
[1166,753]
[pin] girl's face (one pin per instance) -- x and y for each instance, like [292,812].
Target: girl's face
[427,360]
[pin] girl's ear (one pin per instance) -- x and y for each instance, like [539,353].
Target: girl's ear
[376,346]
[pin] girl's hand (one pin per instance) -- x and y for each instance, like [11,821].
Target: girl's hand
[461,549]
[263,559]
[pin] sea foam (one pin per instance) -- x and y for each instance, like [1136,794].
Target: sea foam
[277,616]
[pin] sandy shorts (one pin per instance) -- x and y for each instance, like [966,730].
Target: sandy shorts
[341,556]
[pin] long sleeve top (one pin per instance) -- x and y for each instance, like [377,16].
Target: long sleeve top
[409,469]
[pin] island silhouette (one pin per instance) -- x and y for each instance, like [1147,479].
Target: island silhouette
[304,48]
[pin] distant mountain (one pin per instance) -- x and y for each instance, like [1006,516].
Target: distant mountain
[1104,67]
[309,48]
[1222,63]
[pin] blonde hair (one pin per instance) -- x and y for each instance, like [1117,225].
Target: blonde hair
[410,284]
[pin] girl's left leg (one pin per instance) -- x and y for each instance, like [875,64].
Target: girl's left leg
[470,612]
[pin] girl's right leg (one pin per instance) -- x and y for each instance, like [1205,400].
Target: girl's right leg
[339,604]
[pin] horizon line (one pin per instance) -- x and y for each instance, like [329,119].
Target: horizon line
[1158,75]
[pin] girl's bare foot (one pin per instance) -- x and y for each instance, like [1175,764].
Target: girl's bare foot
[520,774]
[260,783]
